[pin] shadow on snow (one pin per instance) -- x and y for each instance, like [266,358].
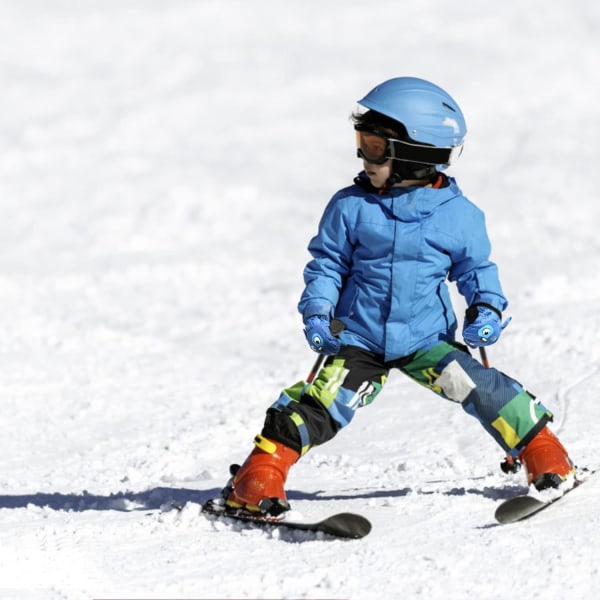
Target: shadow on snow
[487,492]
[123,501]
[156,498]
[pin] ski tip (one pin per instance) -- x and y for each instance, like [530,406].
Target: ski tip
[348,525]
[517,508]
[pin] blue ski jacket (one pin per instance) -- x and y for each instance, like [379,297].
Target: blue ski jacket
[380,265]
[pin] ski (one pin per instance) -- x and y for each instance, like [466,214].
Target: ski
[525,506]
[340,525]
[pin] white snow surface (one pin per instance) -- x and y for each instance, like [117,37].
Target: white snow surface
[163,165]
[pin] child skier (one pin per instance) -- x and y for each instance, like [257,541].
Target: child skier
[384,249]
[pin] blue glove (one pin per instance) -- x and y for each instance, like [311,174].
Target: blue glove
[483,325]
[317,330]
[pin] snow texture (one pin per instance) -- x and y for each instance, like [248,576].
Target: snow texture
[163,165]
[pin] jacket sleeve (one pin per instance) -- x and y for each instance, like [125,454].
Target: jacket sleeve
[331,250]
[475,274]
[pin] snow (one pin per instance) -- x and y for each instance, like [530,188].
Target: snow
[163,164]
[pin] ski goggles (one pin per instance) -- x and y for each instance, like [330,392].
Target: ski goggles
[376,149]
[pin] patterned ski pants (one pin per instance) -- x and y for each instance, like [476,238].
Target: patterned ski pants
[306,415]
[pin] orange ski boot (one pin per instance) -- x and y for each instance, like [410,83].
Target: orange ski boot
[258,485]
[547,462]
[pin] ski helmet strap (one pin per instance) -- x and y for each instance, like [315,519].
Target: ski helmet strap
[405,170]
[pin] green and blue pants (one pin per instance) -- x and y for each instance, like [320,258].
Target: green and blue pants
[307,415]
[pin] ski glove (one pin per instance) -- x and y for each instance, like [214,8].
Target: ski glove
[317,330]
[483,325]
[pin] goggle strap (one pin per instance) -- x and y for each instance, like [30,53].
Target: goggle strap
[428,155]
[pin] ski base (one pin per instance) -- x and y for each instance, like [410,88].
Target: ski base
[524,506]
[340,525]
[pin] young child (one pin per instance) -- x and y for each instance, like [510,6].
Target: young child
[384,249]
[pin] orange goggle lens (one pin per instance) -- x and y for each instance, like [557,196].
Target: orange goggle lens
[372,147]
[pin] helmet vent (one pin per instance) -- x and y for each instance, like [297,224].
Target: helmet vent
[448,106]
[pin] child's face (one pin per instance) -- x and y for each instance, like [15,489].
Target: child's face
[378,174]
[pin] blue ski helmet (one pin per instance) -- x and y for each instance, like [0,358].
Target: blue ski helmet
[429,114]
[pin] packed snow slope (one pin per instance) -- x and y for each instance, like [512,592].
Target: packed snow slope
[163,165]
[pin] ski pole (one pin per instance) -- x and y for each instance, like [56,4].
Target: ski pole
[315,368]
[337,327]
[484,359]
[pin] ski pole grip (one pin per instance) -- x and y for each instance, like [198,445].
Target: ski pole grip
[336,326]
